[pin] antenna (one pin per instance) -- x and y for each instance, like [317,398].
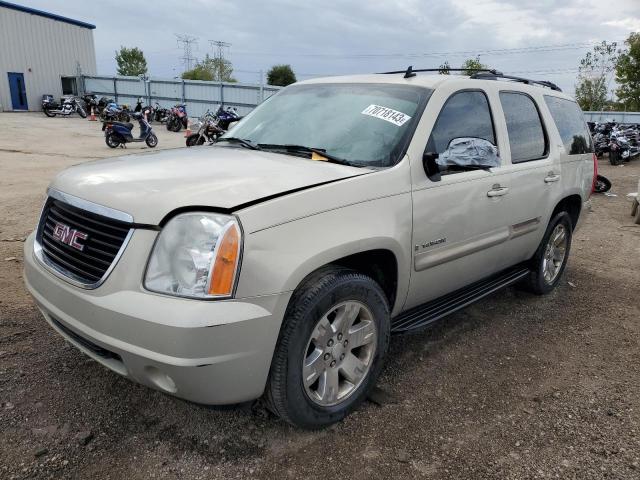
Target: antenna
[186,41]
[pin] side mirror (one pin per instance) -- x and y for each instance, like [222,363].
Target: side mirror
[471,153]
[430,165]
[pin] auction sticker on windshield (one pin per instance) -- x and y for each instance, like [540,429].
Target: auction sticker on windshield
[388,114]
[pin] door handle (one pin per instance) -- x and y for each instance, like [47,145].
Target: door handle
[497,191]
[551,177]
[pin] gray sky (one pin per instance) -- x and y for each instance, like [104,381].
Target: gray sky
[349,36]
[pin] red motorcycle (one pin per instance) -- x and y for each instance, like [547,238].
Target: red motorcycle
[177,118]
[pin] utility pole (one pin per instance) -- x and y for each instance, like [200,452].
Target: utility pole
[218,47]
[187,58]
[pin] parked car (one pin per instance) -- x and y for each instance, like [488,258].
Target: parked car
[277,262]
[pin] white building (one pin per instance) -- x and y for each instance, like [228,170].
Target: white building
[41,53]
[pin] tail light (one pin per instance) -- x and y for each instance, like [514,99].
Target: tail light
[595,173]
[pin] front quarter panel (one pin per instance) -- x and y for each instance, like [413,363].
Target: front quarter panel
[278,258]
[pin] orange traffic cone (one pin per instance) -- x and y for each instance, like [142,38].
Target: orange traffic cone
[93,118]
[187,133]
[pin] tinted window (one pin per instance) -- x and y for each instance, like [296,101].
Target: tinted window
[466,114]
[571,125]
[526,134]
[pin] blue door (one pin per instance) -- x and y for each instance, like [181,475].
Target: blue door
[18,91]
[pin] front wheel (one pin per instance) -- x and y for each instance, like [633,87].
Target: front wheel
[48,112]
[194,139]
[151,140]
[81,112]
[113,140]
[550,260]
[331,348]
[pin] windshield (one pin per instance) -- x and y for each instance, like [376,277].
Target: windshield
[364,124]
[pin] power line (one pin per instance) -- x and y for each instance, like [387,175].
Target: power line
[219,47]
[187,41]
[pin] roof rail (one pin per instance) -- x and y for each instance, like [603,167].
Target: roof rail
[410,72]
[528,81]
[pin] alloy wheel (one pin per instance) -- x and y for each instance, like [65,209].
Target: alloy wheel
[554,253]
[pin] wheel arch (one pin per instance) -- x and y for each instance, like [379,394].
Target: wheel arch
[572,204]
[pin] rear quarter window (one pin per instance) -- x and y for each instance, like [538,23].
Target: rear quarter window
[571,124]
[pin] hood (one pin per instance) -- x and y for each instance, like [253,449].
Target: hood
[149,186]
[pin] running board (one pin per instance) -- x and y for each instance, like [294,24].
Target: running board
[426,314]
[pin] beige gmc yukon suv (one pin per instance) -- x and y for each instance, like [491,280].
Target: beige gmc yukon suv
[276,263]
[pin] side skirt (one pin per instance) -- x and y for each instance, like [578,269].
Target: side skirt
[427,313]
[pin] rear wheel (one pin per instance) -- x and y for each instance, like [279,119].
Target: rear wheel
[151,140]
[550,260]
[113,140]
[331,348]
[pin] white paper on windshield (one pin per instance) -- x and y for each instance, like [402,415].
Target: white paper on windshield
[388,114]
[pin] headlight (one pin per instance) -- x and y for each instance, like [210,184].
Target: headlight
[196,255]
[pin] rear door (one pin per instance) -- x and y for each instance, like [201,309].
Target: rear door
[535,171]
[459,221]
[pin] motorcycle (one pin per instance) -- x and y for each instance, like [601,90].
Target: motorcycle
[207,130]
[160,114]
[118,134]
[112,112]
[227,116]
[177,118]
[70,105]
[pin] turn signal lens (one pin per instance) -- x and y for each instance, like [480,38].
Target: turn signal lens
[225,265]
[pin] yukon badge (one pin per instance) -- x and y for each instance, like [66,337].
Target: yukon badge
[69,236]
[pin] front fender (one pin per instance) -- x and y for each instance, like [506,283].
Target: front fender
[278,258]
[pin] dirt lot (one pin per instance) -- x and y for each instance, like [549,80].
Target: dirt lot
[516,386]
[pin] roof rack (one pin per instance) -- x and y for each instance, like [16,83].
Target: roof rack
[480,74]
[410,72]
[528,81]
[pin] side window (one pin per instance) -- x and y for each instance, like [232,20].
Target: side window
[465,115]
[571,125]
[527,138]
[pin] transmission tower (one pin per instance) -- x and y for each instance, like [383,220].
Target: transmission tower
[219,48]
[187,41]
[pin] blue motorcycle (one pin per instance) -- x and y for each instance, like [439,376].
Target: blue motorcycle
[118,134]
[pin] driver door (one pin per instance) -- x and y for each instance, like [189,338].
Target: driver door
[460,220]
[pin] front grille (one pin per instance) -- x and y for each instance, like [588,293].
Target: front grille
[87,259]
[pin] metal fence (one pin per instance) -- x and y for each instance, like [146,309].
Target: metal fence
[618,117]
[198,95]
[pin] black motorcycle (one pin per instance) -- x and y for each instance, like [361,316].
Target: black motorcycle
[67,106]
[160,114]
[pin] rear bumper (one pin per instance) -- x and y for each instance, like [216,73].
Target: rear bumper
[211,352]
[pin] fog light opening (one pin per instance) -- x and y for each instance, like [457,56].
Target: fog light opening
[160,379]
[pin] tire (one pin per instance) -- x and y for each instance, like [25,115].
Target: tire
[48,113]
[194,139]
[81,112]
[174,124]
[602,184]
[536,282]
[331,290]
[113,140]
[151,140]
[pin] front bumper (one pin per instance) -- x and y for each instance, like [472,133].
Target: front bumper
[210,352]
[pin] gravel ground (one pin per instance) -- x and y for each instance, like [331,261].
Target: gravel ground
[516,386]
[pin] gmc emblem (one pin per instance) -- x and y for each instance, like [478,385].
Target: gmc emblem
[69,236]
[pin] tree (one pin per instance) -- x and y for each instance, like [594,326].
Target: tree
[591,94]
[628,73]
[281,76]
[131,62]
[594,76]
[212,69]
[472,65]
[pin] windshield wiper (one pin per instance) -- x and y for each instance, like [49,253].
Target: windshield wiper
[301,148]
[242,141]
